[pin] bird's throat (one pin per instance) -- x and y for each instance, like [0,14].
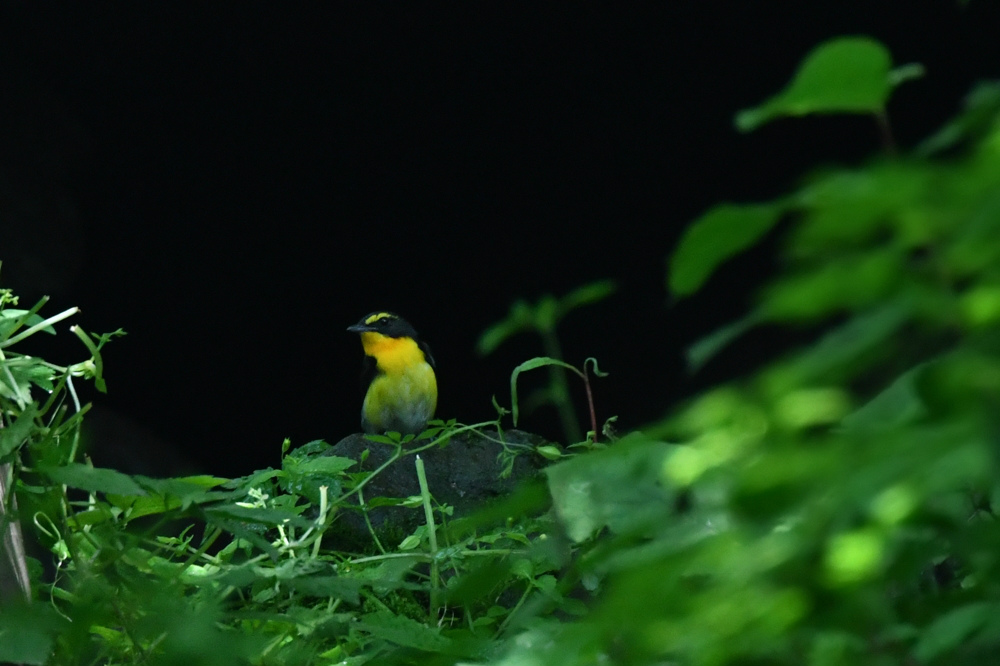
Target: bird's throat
[393,355]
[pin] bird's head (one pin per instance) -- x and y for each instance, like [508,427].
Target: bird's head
[384,324]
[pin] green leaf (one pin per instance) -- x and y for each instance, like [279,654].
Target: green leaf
[244,532]
[13,436]
[722,232]
[262,515]
[590,293]
[169,494]
[410,542]
[549,452]
[845,282]
[324,465]
[402,631]
[531,364]
[12,318]
[520,318]
[542,316]
[185,487]
[843,75]
[27,634]
[702,351]
[310,449]
[95,479]
[843,345]
[952,629]
[978,117]
[618,488]
[255,480]
[338,587]
[307,477]
[898,404]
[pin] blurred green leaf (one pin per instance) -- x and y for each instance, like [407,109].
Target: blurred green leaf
[843,75]
[950,630]
[27,633]
[702,351]
[618,488]
[402,631]
[520,318]
[722,232]
[95,479]
[543,316]
[898,404]
[982,106]
[849,208]
[844,346]
[585,295]
[851,281]
[337,587]
[14,435]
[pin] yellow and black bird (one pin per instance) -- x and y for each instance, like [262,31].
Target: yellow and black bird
[399,372]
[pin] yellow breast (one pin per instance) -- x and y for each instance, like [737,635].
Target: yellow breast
[403,394]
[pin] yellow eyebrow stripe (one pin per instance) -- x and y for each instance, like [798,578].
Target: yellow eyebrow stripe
[379,315]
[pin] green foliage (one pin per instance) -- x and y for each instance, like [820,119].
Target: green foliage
[542,319]
[844,75]
[719,234]
[541,362]
[834,506]
[205,570]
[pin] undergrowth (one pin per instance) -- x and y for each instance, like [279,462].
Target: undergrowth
[833,506]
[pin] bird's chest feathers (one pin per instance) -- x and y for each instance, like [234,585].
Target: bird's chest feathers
[394,356]
[403,393]
[404,380]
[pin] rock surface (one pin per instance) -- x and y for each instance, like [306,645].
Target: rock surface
[464,472]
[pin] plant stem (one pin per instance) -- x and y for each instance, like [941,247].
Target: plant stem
[425,494]
[39,326]
[368,522]
[324,506]
[560,388]
[590,403]
[885,130]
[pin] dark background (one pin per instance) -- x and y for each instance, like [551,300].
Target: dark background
[236,183]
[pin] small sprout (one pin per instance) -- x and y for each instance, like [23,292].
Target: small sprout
[550,452]
[410,542]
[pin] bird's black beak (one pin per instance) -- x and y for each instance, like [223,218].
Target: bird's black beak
[359,328]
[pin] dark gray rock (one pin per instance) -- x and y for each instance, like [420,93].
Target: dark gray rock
[465,473]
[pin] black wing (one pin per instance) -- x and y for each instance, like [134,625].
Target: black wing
[368,370]
[426,349]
